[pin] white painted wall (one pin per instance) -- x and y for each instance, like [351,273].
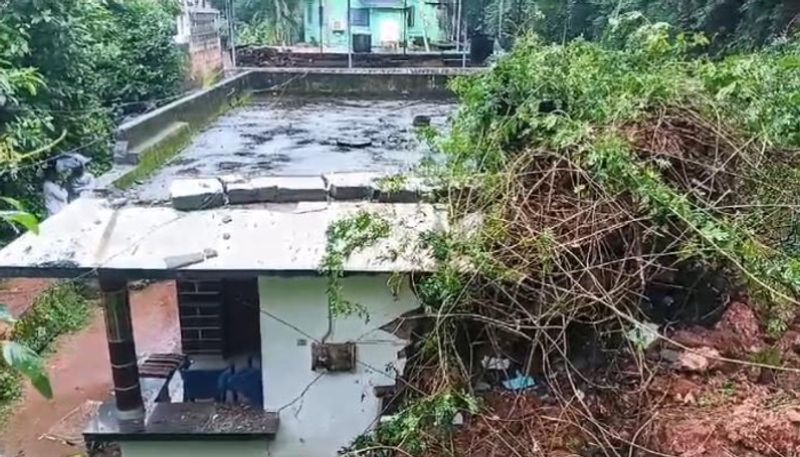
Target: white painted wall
[193,448]
[337,407]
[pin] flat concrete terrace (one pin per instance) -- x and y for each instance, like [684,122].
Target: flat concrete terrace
[293,135]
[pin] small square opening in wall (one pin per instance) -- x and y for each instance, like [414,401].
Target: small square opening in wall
[359,17]
[333,357]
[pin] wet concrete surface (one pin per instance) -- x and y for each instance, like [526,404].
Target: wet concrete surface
[301,136]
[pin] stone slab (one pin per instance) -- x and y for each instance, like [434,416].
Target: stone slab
[352,186]
[296,188]
[196,194]
[251,191]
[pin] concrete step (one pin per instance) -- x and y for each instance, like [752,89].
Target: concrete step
[133,155]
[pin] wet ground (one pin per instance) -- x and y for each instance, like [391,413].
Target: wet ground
[19,294]
[79,370]
[294,136]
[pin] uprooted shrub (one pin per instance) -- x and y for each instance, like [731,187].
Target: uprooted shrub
[617,185]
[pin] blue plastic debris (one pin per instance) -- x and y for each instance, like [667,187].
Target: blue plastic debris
[520,382]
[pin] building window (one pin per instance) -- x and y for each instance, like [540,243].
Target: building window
[410,16]
[359,17]
[310,13]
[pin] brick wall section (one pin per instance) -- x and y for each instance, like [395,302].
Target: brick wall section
[200,311]
[205,46]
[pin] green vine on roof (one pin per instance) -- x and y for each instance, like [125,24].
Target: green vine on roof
[345,237]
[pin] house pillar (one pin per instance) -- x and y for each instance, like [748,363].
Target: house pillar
[121,348]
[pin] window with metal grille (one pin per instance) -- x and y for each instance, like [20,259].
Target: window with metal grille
[359,17]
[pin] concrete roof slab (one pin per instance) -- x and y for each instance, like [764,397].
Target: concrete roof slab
[280,238]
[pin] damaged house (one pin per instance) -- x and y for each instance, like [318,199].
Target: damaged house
[266,366]
[254,311]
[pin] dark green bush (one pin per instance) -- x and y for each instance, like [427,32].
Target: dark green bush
[59,310]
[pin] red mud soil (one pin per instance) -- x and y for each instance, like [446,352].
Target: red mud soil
[687,404]
[80,371]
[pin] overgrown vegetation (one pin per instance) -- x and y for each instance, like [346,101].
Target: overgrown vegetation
[69,70]
[427,420]
[59,310]
[733,25]
[611,177]
[345,237]
[262,22]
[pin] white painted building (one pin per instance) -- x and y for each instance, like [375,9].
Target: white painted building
[276,248]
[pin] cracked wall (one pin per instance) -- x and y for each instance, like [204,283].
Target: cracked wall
[322,412]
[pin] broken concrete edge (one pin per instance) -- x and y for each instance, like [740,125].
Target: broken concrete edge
[193,194]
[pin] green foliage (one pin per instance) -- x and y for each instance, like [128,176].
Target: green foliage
[18,216]
[769,356]
[418,425]
[584,82]
[140,44]
[760,90]
[10,387]
[733,24]
[60,309]
[392,184]
[344,237]
[575,101]
[69,69]
[265,22]
[262,32]
[22,359]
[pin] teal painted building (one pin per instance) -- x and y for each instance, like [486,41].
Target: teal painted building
[388,22]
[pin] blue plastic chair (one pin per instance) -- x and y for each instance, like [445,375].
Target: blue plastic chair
[247,383]
[203,384]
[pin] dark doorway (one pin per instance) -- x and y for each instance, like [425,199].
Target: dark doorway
[241,317]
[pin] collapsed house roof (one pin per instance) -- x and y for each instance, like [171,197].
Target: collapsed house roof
[156,241]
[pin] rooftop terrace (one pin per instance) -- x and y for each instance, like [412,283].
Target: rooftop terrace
[291,135]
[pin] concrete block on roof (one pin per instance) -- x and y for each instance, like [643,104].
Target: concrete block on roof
[297,188]
[251,191]
[196,194]
[352,186]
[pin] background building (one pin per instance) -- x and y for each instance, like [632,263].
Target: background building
[386,23]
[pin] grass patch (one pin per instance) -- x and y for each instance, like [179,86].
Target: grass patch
[155,157]
[58,310]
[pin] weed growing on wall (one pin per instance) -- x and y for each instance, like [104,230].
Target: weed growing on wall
[344,237]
